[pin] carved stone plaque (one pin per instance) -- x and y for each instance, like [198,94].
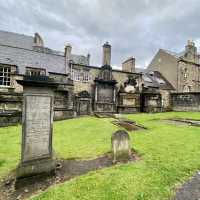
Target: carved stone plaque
[37,127]
[105,95]
[129,102]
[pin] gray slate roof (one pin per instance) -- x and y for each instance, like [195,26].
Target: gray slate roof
[20,50]
[16,40]
[155,79]
[27,58]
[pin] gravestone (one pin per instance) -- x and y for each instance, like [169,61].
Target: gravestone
[37,127]
[121,146]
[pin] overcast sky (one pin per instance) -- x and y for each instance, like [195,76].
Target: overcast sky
[133,27]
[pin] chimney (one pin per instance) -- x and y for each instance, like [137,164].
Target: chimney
[106,54]
[68,51]
[191,52]
[129,65]
[38,40]
[88,59]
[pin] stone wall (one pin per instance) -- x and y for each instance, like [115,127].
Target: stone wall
[119,76]
[10,108]
[188,76]
[186,101]
[166,64]
[166,100]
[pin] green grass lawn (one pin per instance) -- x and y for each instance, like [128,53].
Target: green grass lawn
[170,154]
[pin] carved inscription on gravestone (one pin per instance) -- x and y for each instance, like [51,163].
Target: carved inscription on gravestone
[37,129]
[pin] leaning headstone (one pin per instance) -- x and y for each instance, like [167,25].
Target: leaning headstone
[37,126]
[121,146]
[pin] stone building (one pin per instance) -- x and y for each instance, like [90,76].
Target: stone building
[103,85]
[182,70]
[22,55]
[83,89]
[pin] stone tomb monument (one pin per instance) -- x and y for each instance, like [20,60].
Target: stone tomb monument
[121,146]
[37,126]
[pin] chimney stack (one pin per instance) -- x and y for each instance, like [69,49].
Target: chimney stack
[106,54]
[129,65]
[68,51]
[88,59]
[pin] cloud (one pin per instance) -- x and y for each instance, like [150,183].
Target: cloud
[134,28]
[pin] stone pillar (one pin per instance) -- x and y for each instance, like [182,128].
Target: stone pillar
[37,127]
[106,54]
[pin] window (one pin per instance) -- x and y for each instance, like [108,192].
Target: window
[35,71]
[5,75]
[78,75]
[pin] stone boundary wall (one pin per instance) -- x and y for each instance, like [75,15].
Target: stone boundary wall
[186,101]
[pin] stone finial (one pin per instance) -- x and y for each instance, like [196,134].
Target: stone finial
[121,146]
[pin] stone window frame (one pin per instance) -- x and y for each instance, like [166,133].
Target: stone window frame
[81,75]
[33,71]
[5,75]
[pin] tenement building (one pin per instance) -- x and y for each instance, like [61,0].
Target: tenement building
[82,89]
[182,69]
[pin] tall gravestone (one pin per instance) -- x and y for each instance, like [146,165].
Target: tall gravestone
[37,126]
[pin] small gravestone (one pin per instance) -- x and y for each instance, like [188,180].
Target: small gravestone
[37,126]
[121,146]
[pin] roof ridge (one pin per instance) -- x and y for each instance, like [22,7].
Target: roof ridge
[15,33]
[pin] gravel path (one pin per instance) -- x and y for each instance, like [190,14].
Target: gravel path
[190,190]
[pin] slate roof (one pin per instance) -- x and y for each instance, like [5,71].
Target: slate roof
[27,58]
[155,79]
[20,50]
[16,40]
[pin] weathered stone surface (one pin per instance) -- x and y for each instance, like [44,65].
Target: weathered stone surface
[36,157]
[186,101]
[121,146]
[37,126]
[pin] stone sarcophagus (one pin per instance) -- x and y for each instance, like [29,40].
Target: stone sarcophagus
[105,91]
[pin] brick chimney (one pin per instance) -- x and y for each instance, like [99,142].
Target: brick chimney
[106,54]
[129,65]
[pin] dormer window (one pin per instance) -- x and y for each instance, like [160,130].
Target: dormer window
[35,71]
[5,75]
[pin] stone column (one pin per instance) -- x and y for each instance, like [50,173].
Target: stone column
[37,127]
[106,54]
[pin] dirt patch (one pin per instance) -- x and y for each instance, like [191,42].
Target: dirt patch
[66,170]
[189,190]
[179,121]
[128,125]
[104,115]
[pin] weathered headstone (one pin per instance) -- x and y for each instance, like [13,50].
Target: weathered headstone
[121,146]
[37,126]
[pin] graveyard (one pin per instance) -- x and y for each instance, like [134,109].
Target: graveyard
[166,155]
